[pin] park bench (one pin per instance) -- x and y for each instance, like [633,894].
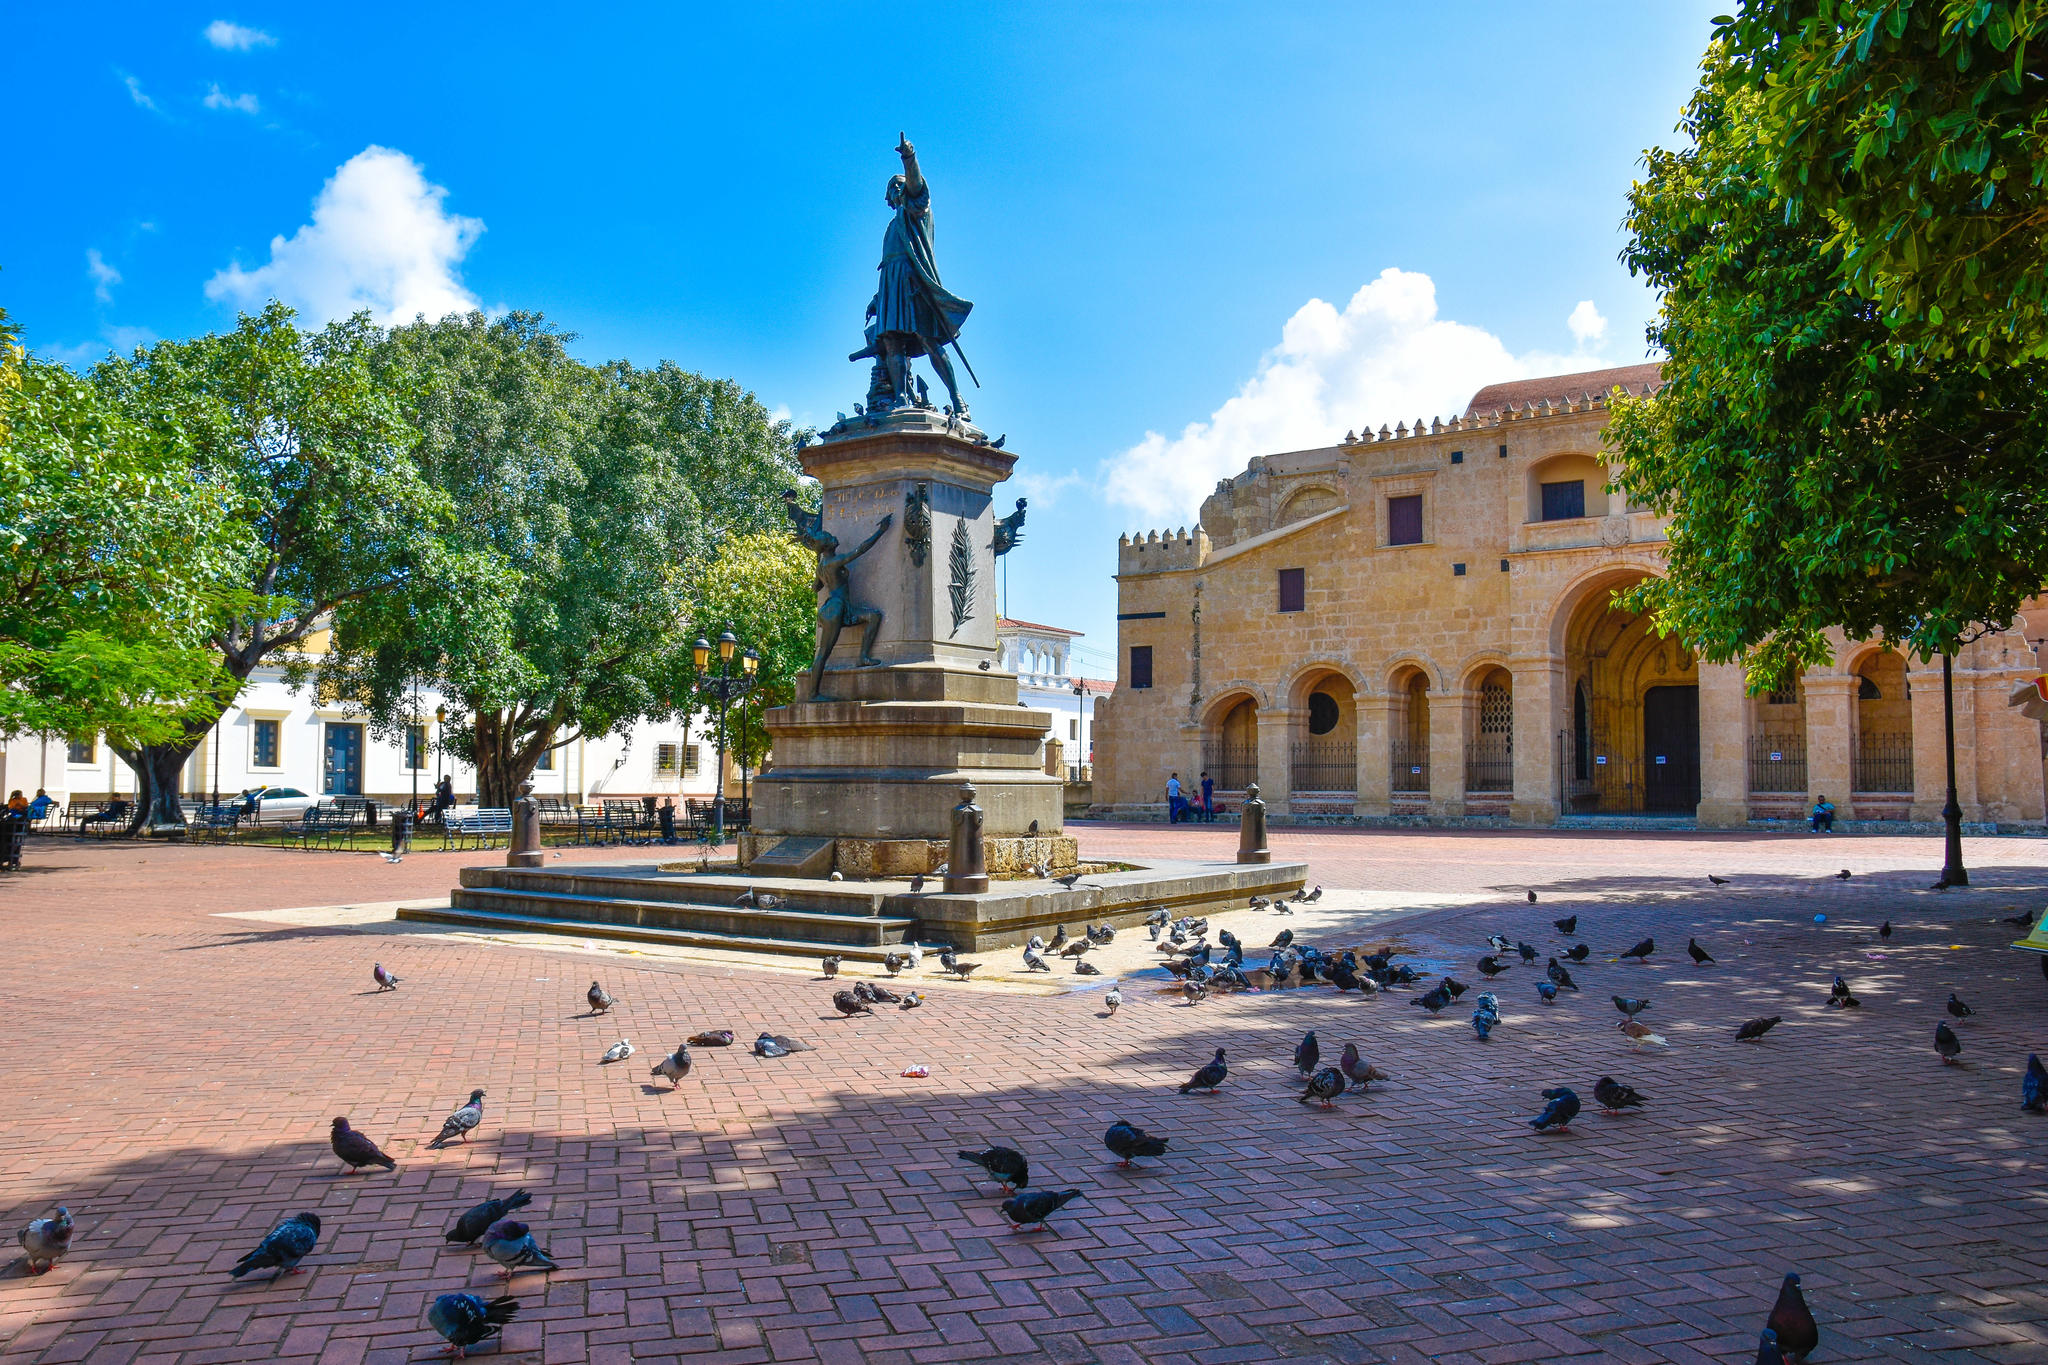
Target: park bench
[110,817]
[477,827]
[555,812]
[214,824]
[628,821]
[326,824]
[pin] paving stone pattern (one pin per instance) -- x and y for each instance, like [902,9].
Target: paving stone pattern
[172,1075]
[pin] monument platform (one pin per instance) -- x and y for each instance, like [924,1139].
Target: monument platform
[674,904]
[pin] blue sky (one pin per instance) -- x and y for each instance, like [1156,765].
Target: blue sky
[1176,222]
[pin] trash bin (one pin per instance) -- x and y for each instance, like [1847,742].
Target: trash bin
[13,834]
[401,831]
[369,815]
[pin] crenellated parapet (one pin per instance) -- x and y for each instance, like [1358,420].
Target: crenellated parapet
[1581,401]
[1152,552]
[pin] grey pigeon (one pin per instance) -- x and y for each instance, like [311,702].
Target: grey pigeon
[1068,880]
[894,963]
[617,1052]
[1077,947]
[599,1000]
[46,1239]
[462,1122]
[1614,1097]
[355,1150]
[466,1320]
[1306,1053]
[911,1001]
[1767,1352]
[1946,1043]
[1798,1334]
[713,1037]
[1282,939]
[846,1002]
[1757,1028]
[1129,1142]
[1485,1020]
[831,966]
[675,1066]
[282,1248]
[1209,1077]
[478,1220]
[1558,1114]
[1006,1165]
[1630,1006]
[510,1243]
[1559,977]
[1325,1086]
[1314,895]
[766,1046]
[953,964]
[1035,1206]
[1114,999]
[1034,960]
[1548,990]
[1083,967]
[1356,1069]
[385,980]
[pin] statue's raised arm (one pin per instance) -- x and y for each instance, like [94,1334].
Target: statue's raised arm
[913,178]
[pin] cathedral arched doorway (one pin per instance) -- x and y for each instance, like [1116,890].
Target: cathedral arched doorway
[1631,738]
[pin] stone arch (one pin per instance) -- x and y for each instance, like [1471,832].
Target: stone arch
[1881,752]
[1637,727]
[1589,470]
[1307,674]
[1489,704]
[1605,579]
[1402,664]
[1306,501]
[1230,739]
[1408,728]
[1323,745]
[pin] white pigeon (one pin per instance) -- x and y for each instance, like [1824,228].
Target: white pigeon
[392,857]
[916,957]
[619,1051]
[1114,998]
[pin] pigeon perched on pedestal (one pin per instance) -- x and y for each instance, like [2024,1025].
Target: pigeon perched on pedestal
[1006,1165]
[44,1240]
[1129,1142]
[462,1122]
[465,1320]
[478,1220]
[282,1248]
[355,1150]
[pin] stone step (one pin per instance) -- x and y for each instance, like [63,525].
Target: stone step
[508,920]
[802,926]
[847,900]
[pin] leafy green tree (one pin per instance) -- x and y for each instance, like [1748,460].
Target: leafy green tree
[303,439]
[759,586]
[1817,474]
[559,602]
[113,564]
[1914,134]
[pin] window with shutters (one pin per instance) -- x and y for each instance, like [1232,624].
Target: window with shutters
[1293,589]
[1564,500]
[1141,665]
[264,736]
[415,747]
[1404,520]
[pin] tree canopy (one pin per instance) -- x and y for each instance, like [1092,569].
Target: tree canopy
[759,585]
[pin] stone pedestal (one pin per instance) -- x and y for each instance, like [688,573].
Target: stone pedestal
[876,764]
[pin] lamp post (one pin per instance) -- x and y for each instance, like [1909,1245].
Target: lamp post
[440,750]
[727,689]
[413,756]
[1086,738]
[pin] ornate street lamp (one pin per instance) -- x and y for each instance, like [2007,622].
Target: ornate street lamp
[727,689]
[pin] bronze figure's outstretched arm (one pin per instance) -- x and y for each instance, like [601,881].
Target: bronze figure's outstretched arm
[913,179]
[869,543]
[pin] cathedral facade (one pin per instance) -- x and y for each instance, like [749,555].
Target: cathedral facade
[1418,624]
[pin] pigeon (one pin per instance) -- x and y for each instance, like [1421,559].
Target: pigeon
[1757,1028]
[1548,990]
[1957,1009]
[1717,881]
[1356,1069]
[1306,1052]
[1614,1097]
[1157,915]
[385,980]
[465,1320]
[831,966]
[1006,1165]
[1798,1334]
[617,1052]
[1036,1206]
[462,1122]
[1532,898]
[1884,931]
[1194,990]
[1059,939]
[1641,952]
[1578,952]
[1559,1113]
[1630,1006]
[892,963]
[1567,926]
[1484,1019]
[1035,960]
[1282,939]
[1324,1087]
[1068,880]
[911,1001]
[1209,1077]
[1077,947]
[510,1243]
[1843,875]
[954,965]
[1086,968]
[846,1002]
[1946,1043]
[478,1220]
[1281,907]
[2033,1087]
[1113,1000]
[355,1150]
[915,952]
[718,1037]
[1767,1352]
[1639,1032]
[282,1248]
[1490,966]
[916,883]
[877,995]
[2022,918]
[1500,943]
[1314,895]
[1128,1142]
[1839,997]
[46,1239]
[1528,953]
[599,1000]
[767,1045]
[1700,956]
[1560,977]
[1435,1001]
[1455,986]
[747,899]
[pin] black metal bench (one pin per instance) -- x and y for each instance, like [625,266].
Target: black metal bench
[111,818]
[325,824]
[628,822]
[214,824]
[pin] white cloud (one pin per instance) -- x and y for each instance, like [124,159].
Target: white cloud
[216,98]
[104,277]
[135,93]
[1589,329]
[126,339]
[1385,358]
[234,38]
[1043,490]
[381,239]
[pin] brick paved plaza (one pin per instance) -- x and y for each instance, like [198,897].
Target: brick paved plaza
[173,1073]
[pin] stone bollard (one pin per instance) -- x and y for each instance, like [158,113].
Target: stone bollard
[1251,829]
[523,849]
[967,865]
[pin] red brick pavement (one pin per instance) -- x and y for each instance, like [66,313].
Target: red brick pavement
[173,1076]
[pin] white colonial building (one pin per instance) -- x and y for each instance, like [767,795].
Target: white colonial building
[1041,657]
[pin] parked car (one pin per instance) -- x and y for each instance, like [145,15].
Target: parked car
[279,805]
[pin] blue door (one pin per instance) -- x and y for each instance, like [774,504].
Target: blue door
[344,768]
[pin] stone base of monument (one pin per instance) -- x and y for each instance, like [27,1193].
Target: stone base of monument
[777,856]
[641,902]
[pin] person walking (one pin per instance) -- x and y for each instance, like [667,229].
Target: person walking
[1174,802]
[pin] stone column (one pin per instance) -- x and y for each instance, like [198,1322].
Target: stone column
[1276,760]
[1374,800]
[1539,716]
[1447,754]
[1830,742]
[1724,747]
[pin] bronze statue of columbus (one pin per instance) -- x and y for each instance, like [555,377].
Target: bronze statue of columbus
[912,314]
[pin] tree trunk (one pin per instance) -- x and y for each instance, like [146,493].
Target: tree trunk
[156,768]
[503,762]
